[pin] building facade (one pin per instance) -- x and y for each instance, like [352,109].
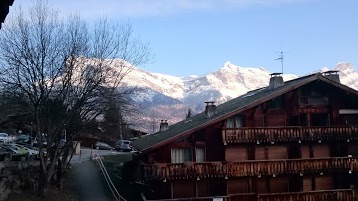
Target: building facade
[289,141]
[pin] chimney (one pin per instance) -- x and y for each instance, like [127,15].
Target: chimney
[210,109]
[332,75]
[163,125]
[276,80]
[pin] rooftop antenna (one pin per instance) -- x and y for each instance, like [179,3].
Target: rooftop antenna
[281,58]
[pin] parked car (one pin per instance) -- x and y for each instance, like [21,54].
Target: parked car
[123,145]
[24,139]
[16,148]
[4,138]
[16,153]
[33,153]
[102,145]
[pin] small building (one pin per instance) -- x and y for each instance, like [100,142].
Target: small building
[290,141]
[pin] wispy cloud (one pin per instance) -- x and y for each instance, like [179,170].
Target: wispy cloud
[143,8]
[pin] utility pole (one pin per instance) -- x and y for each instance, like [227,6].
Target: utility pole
[281,58]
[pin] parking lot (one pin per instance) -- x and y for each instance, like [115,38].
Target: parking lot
[23,148]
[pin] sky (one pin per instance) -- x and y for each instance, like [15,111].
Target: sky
[196,37]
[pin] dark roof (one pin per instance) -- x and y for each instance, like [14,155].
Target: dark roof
[4,9]
[225,110]
[330,72]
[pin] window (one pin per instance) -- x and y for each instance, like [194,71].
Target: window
[181,155]
[320,119]
[234,122]
[312,95]
[350,119]
[199,155]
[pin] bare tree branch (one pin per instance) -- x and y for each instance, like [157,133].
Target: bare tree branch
[63,69]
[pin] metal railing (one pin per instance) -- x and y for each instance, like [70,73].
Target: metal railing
[175,171]
[106,176]
[288,134]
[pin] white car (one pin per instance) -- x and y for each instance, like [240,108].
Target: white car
[4,138]
[15,148]
[32,152]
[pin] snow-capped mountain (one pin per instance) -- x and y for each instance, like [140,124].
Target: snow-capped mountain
[228,82]
[347,74]
[170,97]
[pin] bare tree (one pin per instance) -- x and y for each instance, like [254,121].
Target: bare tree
[63,69]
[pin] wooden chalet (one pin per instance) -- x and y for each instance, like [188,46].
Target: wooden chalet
[290,141]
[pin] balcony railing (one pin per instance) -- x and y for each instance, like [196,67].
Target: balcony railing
[287,134]
[174,171]
[324,195]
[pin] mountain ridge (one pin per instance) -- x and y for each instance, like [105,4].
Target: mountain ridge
[170,97]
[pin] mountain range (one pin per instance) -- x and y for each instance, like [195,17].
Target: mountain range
[169,97]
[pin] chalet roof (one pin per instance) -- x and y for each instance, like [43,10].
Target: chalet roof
[225,110]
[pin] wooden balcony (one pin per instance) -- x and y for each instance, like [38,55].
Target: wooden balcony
[238,197]
[324,195]
[174,171]
[288,134]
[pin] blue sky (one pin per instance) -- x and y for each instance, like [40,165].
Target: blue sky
[195,37]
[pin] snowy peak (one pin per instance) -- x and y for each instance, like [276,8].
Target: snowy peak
[228,82]
[168,85]
[238,80]
[169,97]
[347,74]
[229,67]
[343,66]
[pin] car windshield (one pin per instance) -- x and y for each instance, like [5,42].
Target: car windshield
[125,142]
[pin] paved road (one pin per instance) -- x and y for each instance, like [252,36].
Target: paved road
[92,186]
[86,153]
